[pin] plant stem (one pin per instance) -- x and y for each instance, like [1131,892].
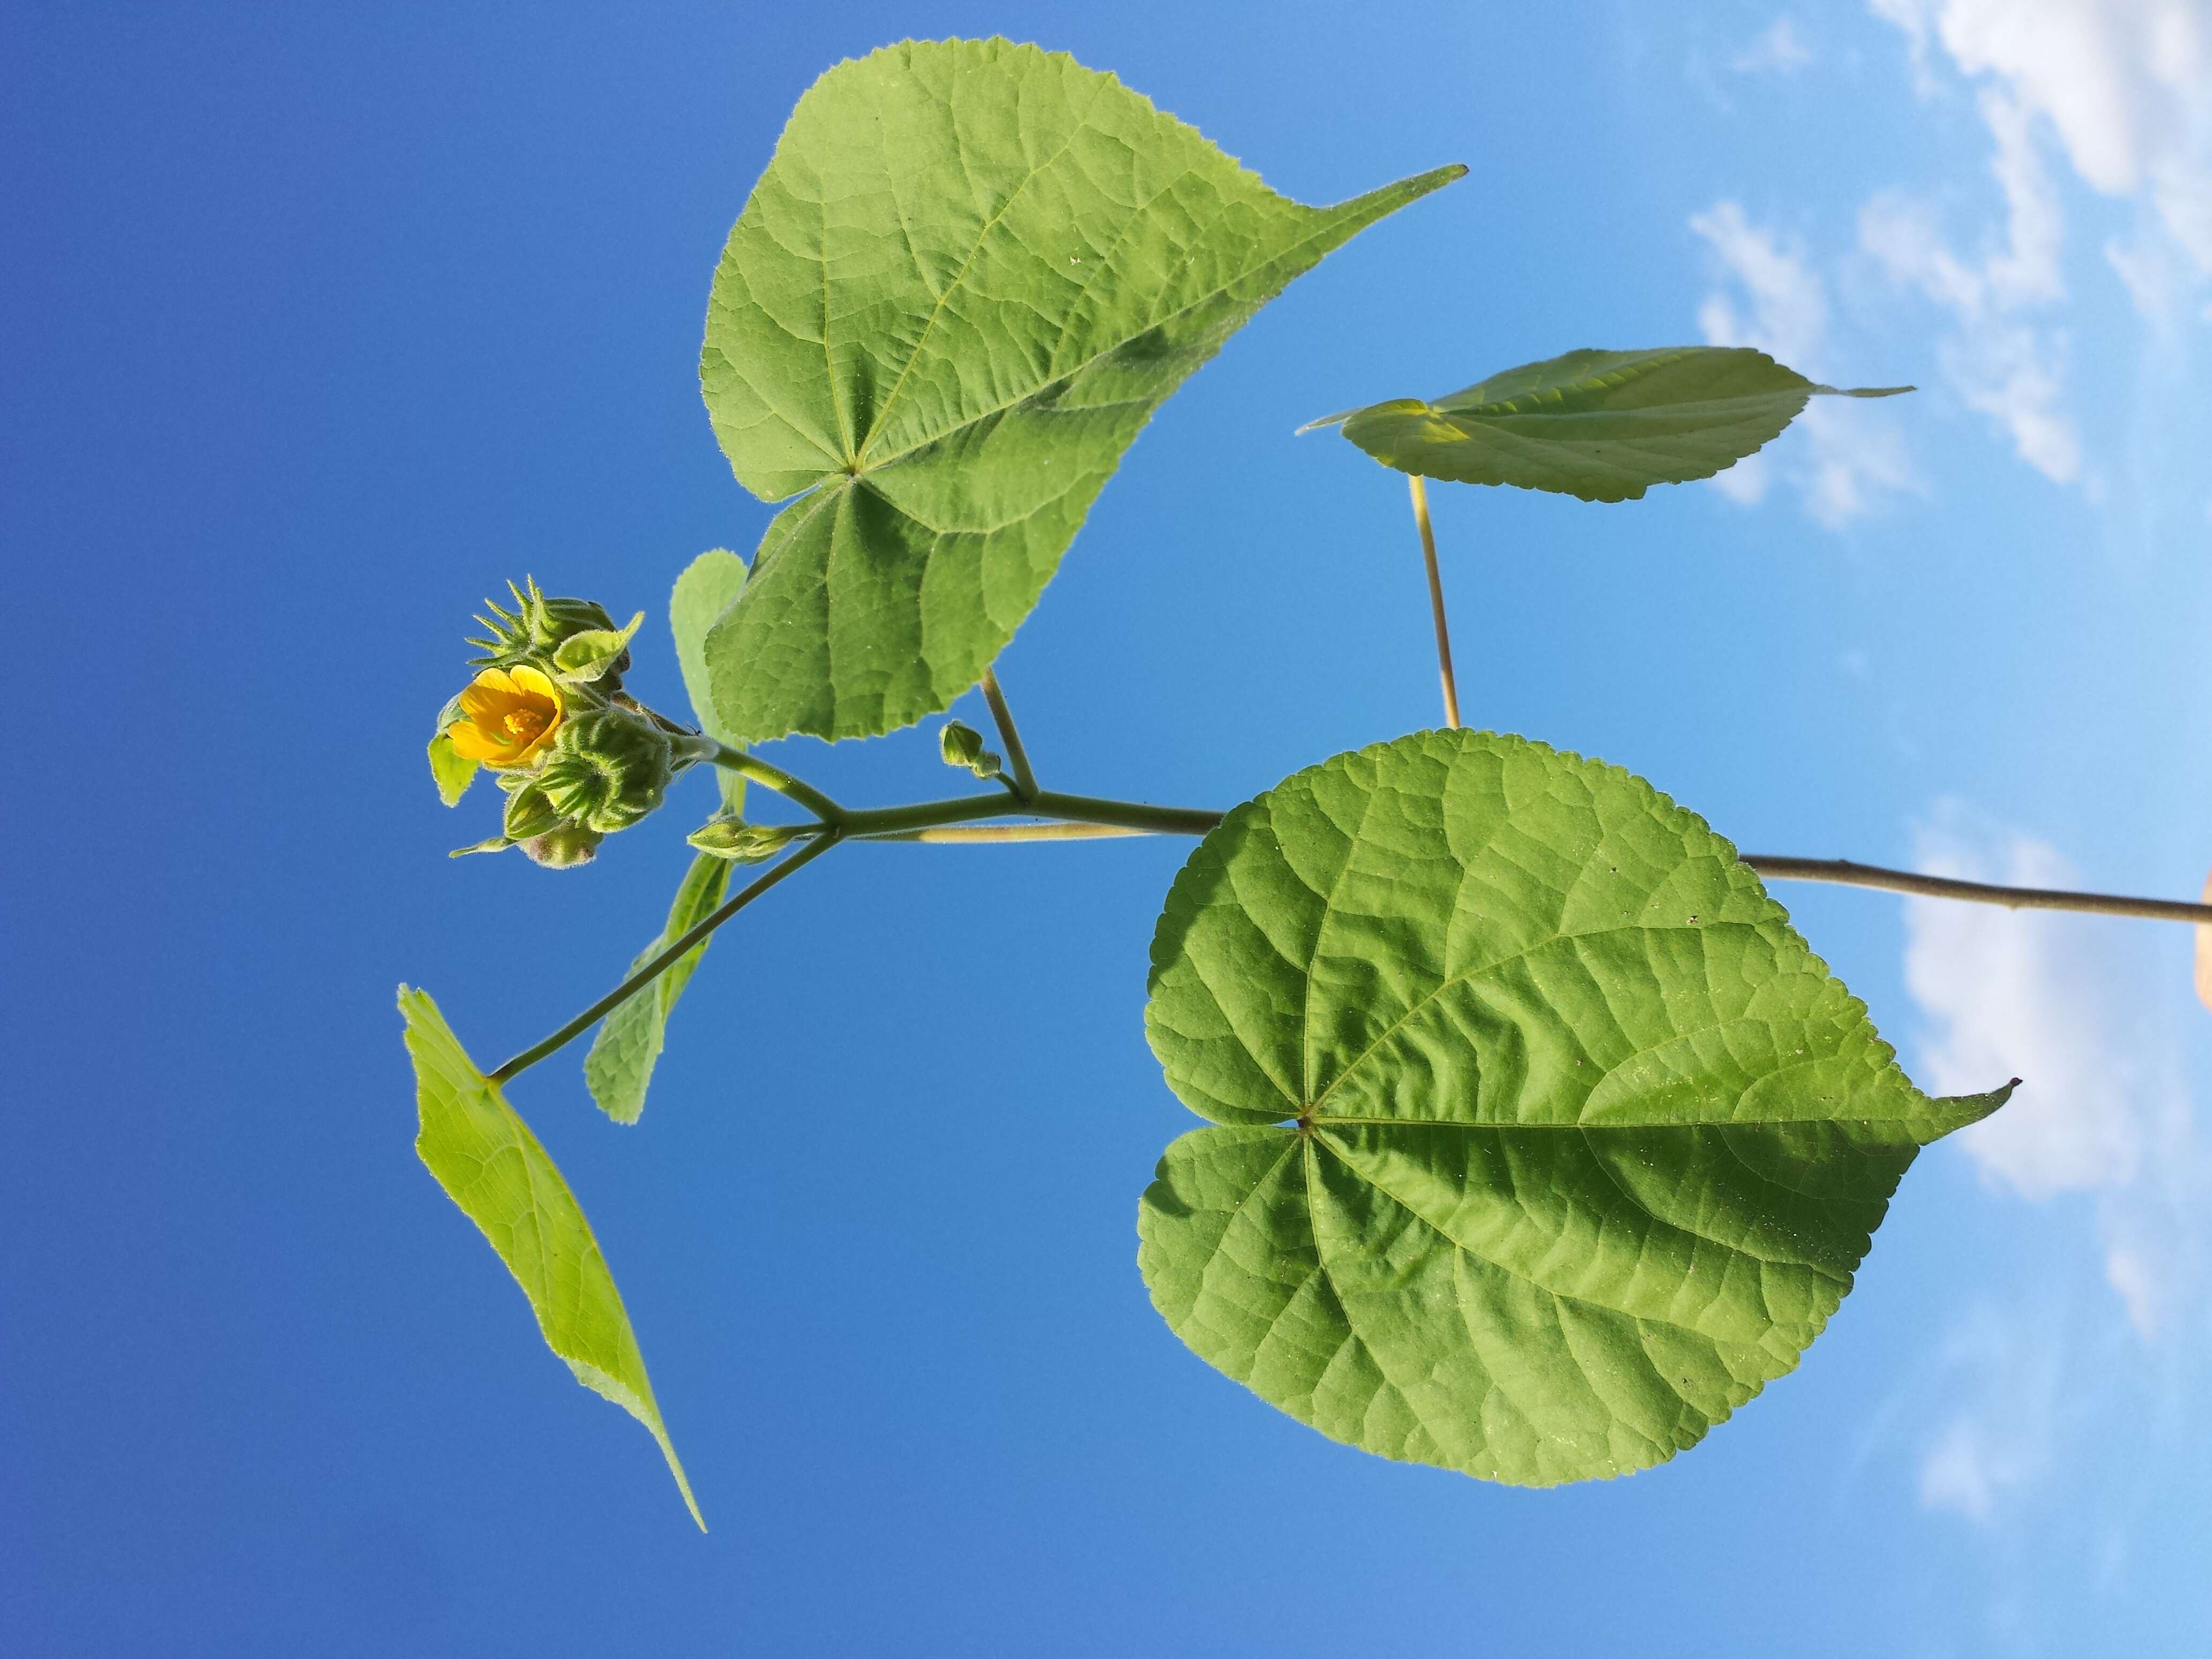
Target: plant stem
[1420,489]
[1025,783]
[775,778]
[1082,818]
[1848,874]
[821,842]
[972,833]
[1090,817]
[883,822]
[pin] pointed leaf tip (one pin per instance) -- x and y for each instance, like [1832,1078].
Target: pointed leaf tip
[1098,252]
[1601,426]
[483,1155]
[1540,1140]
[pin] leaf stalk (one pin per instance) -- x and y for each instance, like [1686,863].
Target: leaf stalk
[1420,492]
[1025,783]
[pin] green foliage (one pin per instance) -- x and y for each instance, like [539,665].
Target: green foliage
[1538,1141]
[451,772]
[1545,1142]
[962,745]
[489,1163]
[733,839]
[594,652]
[620,1064]
[969,275]
[709,585]
[1600,425]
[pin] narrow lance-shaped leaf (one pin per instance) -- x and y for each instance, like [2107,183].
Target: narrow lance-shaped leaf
[1544,1142]
[619,1067]
[970,273]
[489,1163]
[1600,425]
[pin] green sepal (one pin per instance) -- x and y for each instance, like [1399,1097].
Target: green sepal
[597,652]
[961,745]
[449,769]
[496,844]
[535,628]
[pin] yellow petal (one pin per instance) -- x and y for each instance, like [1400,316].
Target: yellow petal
[471,742]
[529,681]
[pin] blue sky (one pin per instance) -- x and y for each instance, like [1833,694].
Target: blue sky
[318,326]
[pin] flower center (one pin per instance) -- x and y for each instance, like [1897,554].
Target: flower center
[524,724]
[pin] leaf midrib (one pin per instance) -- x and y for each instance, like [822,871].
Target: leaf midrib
[1627,374]
[859,457]
[1469,975]
[1490,414]
[1326,215]
[1509,1271]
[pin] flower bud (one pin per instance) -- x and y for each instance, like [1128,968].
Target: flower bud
[538,627]
[742,843]
[563,848]
[961,745]
[529,813]
[609,768]
[595,655]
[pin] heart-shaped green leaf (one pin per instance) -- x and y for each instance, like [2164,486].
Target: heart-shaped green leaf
[1545,1140]
[969,275]
[489,1163]
[1600,425]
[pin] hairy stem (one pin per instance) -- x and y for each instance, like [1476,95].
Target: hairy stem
[1420,490]
[986,834]
[879,823]
[820,843]
[1078,817]
[1848,874]
[775,777]
[1025,783]
[1091,818]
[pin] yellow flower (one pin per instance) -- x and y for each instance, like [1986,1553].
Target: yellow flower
[508,714]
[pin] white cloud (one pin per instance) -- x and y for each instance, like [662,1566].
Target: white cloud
[2061,1002]
[1993,1451]
[2000,363]
[2101,1135]
[1851,456]
[2012,992]
[1779,49]
[2124,85]
[2122,91]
